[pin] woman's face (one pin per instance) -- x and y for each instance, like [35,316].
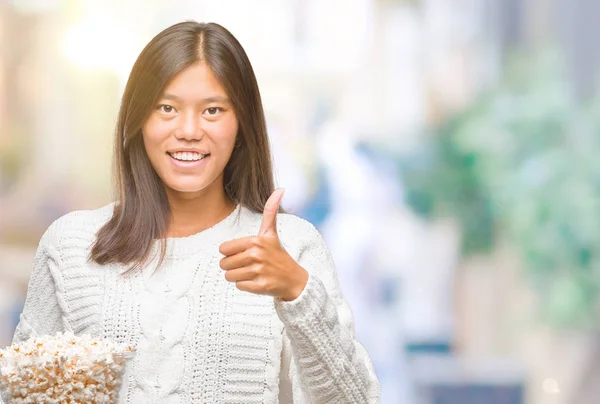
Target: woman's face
[191,133]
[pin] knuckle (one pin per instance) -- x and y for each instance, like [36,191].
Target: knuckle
[256,270]
[263,284]
[256,241]
[255,254]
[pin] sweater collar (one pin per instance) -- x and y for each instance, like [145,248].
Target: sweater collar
[189,245]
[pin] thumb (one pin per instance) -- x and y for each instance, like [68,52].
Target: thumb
[269,220]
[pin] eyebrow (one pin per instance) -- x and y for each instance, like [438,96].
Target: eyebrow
[208,100]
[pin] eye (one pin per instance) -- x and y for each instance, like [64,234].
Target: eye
[213,110]
[167,109]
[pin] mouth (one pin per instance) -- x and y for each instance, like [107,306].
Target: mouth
[187,157]
[188,161]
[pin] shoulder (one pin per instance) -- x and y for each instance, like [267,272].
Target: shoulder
[290,225]
[300,237]
[76,225]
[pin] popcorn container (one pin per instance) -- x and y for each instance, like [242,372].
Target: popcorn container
[62,376]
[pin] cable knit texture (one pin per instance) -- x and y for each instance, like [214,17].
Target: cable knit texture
[198,338]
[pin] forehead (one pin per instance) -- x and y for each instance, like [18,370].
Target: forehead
[195,82]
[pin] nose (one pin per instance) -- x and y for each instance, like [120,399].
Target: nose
[189,128]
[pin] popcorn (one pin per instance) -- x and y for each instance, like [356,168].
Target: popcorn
[62,369]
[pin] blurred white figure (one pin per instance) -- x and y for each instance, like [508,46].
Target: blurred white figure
[349,226]
[361,198]
[416,261]
[288,173]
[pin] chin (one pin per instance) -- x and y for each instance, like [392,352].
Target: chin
[190,184]
[186,187]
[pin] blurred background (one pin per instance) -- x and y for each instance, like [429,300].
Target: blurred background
[446,149]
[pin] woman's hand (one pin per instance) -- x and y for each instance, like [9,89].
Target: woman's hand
[259,264]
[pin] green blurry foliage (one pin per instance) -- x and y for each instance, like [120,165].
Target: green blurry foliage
[523,164]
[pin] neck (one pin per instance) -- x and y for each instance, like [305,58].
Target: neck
[193,214]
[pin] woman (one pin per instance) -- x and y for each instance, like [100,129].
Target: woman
[226,298]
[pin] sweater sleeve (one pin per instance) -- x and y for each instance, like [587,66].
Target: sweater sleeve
[326,363]
[42,314]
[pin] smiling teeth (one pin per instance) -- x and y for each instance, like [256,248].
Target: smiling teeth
[187,156]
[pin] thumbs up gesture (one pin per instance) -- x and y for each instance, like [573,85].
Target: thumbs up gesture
[259,264]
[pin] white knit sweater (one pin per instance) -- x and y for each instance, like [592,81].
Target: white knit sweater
[198,338]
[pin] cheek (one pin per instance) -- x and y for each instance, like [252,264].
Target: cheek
[227,136]
[154,134]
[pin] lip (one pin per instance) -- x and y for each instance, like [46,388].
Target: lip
[188,165]
[188,150]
